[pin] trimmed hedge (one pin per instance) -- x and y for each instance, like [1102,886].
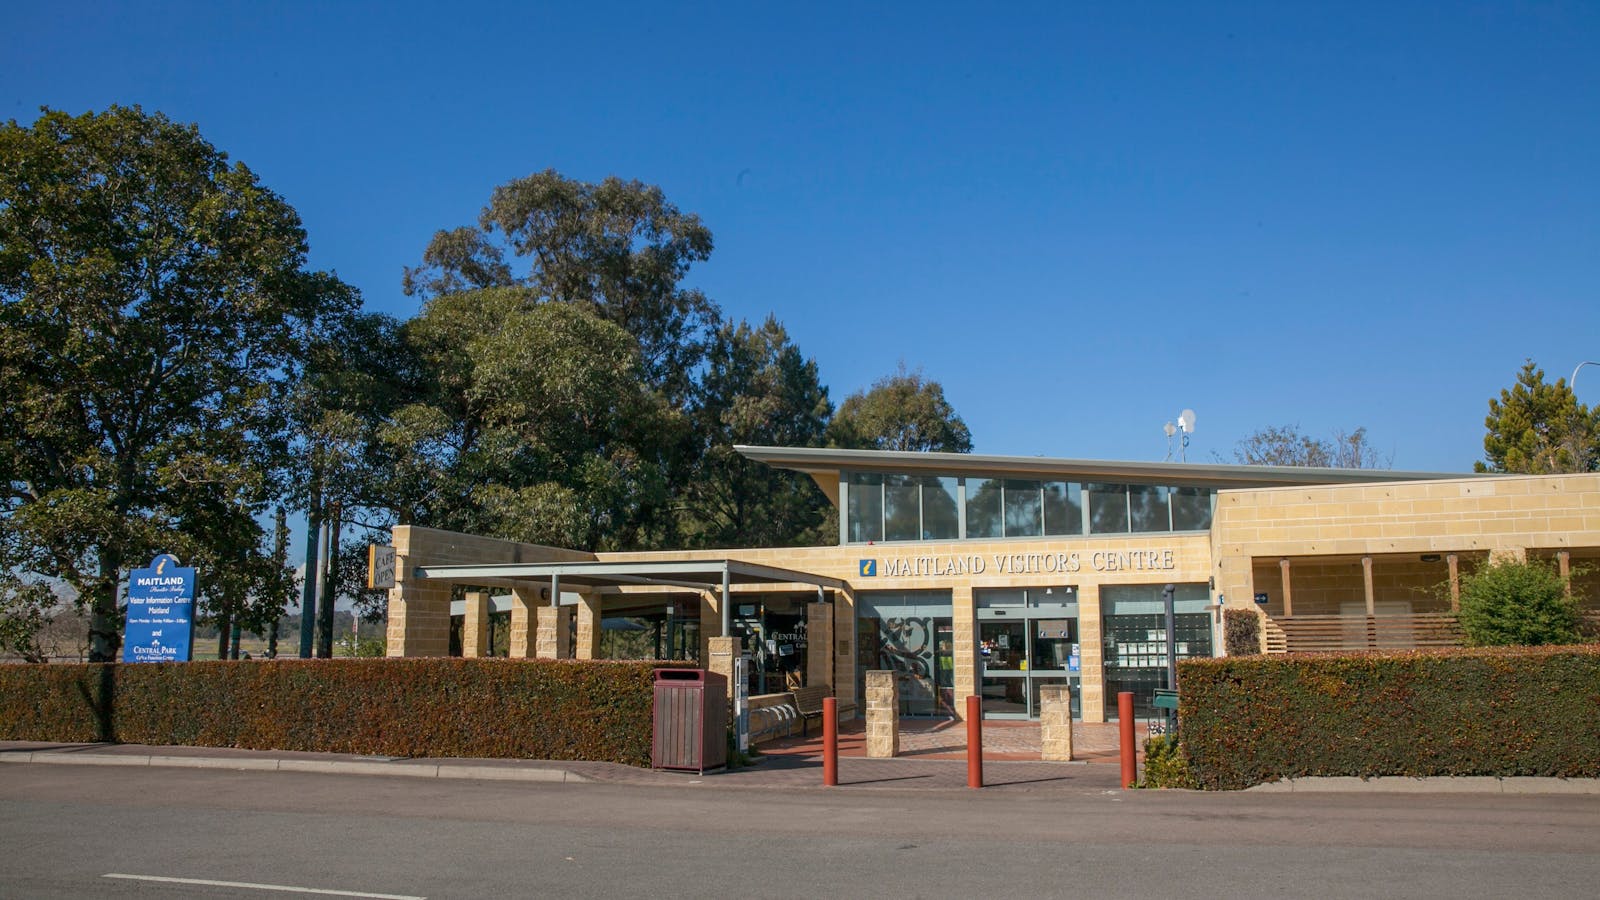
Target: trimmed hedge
[1241,632]
[1500,712]
[438,707]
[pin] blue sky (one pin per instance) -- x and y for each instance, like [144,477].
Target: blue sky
[1079,218]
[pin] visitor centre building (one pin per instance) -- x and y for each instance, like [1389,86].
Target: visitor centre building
[995,576]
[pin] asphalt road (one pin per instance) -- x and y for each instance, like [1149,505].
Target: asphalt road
[63,829]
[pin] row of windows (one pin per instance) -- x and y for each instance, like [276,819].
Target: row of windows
[895,507]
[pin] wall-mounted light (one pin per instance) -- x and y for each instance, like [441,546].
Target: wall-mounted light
[1431,557]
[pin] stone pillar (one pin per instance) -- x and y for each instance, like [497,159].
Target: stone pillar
[419,616]
[1366,585]
[964,632]
[710,609]
[819,644]
[1455,583]
[475,626]
[883,715]
[844,646]
[588,627]
[1091,656]
[1055,721]
[523,601]
[1564,569]
[1288,595]
[719,659]
[554,639]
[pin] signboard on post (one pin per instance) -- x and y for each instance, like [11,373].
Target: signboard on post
[380,566]
[160,613]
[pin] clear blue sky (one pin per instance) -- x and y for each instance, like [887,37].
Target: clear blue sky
[1080,219]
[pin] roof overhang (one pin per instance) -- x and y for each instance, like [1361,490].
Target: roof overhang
[705,574]
[820,462]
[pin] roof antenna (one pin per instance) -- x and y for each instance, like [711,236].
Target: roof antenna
[1185,422]
[1170,430]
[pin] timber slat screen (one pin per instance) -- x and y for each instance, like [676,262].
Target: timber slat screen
[1311,634]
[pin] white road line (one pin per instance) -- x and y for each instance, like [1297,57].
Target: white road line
[290,889]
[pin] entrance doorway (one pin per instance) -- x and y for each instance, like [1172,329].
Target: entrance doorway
[1027,639]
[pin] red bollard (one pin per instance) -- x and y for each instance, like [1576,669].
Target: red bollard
[1130,774]
[974,742]
[830,742]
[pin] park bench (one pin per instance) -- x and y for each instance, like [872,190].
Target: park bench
[808,704]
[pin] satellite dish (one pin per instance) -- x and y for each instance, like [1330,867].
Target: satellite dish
[1186,421]
[1170,431]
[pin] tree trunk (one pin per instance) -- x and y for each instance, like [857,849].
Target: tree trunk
[105,622]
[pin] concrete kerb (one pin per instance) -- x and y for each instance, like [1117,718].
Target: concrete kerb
[1452,784]
[77,756]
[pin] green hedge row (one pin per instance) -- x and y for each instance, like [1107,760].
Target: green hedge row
[1501,712]
[522,709]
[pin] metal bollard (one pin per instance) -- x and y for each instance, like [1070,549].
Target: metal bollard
[974,742]
[830,742]
[1130,774]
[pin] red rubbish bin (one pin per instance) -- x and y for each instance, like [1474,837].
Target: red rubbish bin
[690,720]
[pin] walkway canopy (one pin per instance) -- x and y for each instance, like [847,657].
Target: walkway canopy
[699,574]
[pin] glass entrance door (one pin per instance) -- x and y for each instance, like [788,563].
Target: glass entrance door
[1019,656]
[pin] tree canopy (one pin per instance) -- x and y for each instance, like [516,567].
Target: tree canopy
[1536,428]
[153,310]
[903,411]
[618,247]
[1286,445]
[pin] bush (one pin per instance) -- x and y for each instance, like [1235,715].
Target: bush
[440,707]
[1241,632]
[1166,765]
[1510,602]
[1500,712]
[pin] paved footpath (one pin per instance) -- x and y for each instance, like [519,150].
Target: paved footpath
[932,756]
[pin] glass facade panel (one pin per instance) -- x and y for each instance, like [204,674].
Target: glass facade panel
[1147,508]
[1191,509]
[864,518]
[1063,507]
[1022,509]
[902,508]
[1108,509]
[941,521]
[911,634]
[1135,634]
[983,508]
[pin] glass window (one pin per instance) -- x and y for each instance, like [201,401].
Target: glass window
[1191,509]
[1147,508]
[940,520]
[1108,508]
[902,508]
[1022,509]
[865,516]
[983,508]
[1063,507]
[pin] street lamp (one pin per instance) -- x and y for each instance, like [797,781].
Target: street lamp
[1573,381]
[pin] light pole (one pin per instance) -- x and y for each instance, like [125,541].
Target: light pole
[1572,383]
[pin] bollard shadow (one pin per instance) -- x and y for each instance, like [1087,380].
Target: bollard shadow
[843,783]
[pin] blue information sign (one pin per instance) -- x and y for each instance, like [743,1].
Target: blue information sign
[160,613]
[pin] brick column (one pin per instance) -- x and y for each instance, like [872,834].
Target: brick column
[475,626]
[1092,656]
[1455,582]
[523,601]
[419,616]
[588,627]
[819,645]
[710,607]
[719,659]
[1055,721]
[844,646]
[1366,586]
[554,638]
[1288,596]
[964,631]
[883,715]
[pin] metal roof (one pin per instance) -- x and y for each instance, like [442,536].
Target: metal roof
[701,574]
[822,461]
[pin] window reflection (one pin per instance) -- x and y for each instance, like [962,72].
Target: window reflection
[1108,508]
[1063,507]
[1147,508]
[1191,509]
[1022,509]
[983,508]
[940,519]
[865,514]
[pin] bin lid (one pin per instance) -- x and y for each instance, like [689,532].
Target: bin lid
[680,675]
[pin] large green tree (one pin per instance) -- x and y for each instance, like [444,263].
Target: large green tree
[1536,428]
[757,389]
[535,424]
[153,312]
[617,247]
[903,411]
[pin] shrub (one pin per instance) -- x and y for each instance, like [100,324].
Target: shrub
[1241,632]
[1511,602]
[1166,765]
[440,707]
[1500,712]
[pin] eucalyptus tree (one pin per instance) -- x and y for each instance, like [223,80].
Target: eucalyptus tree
[757,389]
[904,411]
[154,305]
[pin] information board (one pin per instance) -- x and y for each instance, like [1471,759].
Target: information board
[160,613]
